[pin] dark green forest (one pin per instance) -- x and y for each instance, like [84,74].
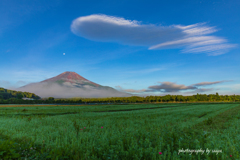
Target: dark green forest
[6,94]
[15,97]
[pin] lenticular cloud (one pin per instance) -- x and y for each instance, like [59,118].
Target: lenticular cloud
[192,38]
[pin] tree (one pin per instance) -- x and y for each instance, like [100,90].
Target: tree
[167,98]
[172,98]
[217,97]
[210,97]
[197,97]
[50,98]
[19,96]
[12,100]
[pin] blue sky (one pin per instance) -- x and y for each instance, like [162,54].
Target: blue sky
[142,47]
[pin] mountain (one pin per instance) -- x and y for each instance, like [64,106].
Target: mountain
[71,84]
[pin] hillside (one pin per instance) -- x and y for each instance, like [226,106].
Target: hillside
[7,94]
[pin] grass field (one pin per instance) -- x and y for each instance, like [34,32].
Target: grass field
[168,131]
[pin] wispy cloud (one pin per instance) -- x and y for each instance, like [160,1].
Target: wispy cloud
[130,90]
[193,38]
[201,90]
[210,83]
[171,87]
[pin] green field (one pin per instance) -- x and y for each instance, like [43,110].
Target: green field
[119,132]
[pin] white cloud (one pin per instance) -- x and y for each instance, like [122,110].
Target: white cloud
[106,19]
[115,29]
[194,37]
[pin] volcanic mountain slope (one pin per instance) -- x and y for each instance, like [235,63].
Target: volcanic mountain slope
[71,84]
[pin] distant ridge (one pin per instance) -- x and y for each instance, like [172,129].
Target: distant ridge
[70,84]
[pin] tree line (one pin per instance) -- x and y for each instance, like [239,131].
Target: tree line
[150,99]
[6,94]
[15,97]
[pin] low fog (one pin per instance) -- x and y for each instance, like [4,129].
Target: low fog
[68,90]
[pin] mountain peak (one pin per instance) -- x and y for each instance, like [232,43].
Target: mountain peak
[71,77]
[69,72]
[70,84]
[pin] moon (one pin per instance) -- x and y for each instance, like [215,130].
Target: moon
[63,53]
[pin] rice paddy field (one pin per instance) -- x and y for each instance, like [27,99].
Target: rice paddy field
[170,131]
